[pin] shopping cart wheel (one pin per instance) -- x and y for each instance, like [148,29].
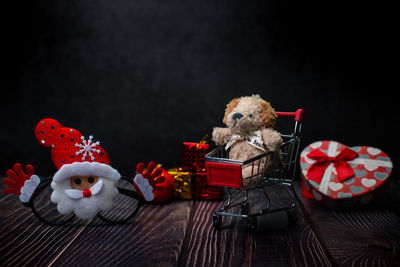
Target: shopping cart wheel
[251,224]
[217,220]
[244,209]
[292,216]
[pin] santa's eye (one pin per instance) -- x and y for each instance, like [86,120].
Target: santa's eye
[77,181]
[90,179]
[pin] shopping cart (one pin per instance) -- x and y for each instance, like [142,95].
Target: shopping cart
[271,168]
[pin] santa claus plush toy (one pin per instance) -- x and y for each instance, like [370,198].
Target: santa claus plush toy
[85,183]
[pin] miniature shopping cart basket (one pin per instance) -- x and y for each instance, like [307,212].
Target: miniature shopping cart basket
[271,168]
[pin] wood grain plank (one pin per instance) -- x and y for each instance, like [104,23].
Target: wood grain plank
[364,236]
[275,243]
[153,238]
[24,240]
[207,246]
[280,244]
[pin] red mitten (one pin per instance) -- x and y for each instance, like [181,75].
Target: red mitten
[153,184]
[21,183]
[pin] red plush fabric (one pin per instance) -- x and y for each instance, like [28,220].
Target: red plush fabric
[161,181]
[16,178]
[67,145]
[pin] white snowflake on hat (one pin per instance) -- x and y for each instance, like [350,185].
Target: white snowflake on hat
[87,147]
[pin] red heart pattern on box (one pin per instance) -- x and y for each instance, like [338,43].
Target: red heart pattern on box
[372,167]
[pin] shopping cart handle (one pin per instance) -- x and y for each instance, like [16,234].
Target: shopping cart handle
[299,115]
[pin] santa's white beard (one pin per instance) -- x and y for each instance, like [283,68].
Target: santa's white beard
[86,207]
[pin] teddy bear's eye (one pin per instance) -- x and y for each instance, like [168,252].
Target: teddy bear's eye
[251,116]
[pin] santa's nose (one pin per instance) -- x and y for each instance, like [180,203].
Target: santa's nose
[87,193]
[237,116]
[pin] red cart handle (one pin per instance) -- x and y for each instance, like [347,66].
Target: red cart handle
[299,115]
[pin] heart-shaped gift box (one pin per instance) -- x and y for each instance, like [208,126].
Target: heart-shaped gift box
[335,174]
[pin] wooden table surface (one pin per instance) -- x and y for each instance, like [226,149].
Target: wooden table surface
[180,233]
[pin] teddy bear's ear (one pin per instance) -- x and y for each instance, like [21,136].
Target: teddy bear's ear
[268,114]
[229,108]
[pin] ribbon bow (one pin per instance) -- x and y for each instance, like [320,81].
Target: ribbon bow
[343,169]
[254,139]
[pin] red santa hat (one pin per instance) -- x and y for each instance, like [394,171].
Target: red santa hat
[72,153]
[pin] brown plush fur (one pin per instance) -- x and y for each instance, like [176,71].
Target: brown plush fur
[257,114]
[229,108]
[268,114]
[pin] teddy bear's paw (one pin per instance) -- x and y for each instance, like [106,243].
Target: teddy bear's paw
[272,139]
[221,135]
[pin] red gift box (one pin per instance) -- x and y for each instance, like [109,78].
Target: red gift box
[202,191]
[337,175]
[193,155]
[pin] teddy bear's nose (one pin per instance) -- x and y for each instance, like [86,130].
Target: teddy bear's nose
[237,116]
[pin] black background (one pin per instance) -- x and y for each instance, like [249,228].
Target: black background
[144,76]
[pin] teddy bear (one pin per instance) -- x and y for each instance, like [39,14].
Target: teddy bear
[249,133]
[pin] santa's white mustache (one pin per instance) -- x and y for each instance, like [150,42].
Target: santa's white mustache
[78,194]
